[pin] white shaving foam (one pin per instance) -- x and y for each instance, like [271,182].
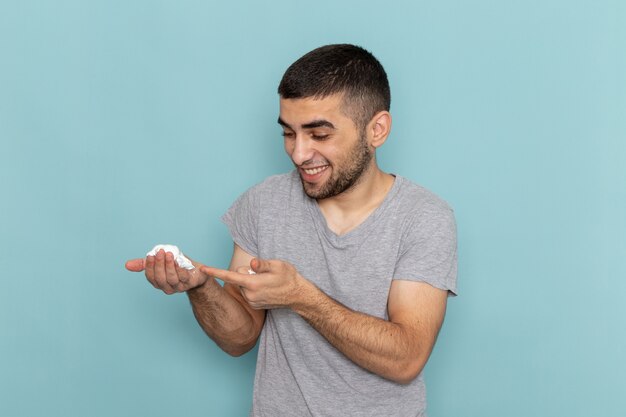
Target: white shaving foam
[180,259]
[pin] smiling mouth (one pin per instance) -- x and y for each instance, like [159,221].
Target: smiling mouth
[313,171]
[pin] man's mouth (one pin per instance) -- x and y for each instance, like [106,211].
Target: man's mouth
[313,174]
[316,170]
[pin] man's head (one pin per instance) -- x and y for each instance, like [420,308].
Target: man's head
[334,105]
[346,70]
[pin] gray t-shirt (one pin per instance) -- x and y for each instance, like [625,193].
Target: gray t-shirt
[410,236]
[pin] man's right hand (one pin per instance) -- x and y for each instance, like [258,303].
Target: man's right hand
[165,275]
[222,312]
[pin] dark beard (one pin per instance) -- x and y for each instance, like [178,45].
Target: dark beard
[360,157]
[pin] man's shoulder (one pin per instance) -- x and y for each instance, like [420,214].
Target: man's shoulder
[264,199]
[274,183]
[416,196]
[273,190]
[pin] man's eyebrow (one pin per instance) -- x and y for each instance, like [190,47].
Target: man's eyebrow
[318,123]
[311,125]
[282,123]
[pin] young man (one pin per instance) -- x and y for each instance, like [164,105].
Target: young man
[352,266]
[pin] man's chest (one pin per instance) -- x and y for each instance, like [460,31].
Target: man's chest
[356,272]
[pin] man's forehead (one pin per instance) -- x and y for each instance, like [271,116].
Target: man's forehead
[300,111]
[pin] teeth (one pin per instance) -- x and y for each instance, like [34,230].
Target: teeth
[314,171]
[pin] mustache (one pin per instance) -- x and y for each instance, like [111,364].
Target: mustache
[313,163]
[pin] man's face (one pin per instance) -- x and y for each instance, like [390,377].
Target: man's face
[329,151]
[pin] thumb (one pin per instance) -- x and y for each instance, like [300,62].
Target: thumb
[260,265]
[135,265]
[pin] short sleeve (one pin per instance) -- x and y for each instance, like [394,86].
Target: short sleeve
[428,252]
[242,220]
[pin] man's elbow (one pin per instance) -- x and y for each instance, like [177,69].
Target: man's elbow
[407,371]
[236,350]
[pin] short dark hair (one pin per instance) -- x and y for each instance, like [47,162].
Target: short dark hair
[340,69]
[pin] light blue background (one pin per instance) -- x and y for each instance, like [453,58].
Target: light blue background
[513,111]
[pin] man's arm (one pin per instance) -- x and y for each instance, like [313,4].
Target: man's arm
[222,312]
[396,349]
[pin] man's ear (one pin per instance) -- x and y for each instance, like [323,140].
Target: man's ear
[379,128]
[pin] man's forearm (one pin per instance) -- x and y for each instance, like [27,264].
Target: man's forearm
[223,318]
[382,347]
[396,349]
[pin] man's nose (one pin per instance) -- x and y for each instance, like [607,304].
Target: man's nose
[302,150]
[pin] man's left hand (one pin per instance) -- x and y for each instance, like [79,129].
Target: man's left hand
[275,283]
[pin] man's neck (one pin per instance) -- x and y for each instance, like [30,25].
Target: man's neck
[346,211]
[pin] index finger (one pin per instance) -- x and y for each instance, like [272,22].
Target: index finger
[231,277]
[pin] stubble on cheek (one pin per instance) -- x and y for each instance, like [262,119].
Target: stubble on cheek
[341,180]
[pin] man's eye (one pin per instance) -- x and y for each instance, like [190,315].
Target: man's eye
[288,134]
[319,137]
